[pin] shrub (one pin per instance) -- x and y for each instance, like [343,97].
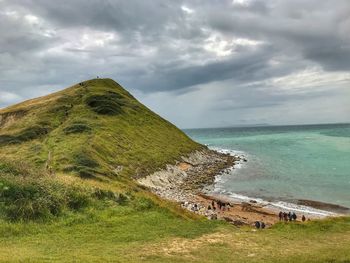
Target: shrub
[107,104]
[26,199]
[35,195]
[82,159]
[77,128]
[39,198]
[27,134]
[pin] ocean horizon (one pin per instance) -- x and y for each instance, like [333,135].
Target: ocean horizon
[286,164]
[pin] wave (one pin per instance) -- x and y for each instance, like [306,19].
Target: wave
[276,206]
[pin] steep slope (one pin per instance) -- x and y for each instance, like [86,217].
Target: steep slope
[92,129]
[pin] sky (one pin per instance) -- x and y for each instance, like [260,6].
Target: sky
[197,63]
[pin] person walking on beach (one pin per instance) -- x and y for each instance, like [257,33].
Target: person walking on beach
[263,225]
[257,224]
[290,216]
[280,215]
[294,216]
[303,218]
[285,216]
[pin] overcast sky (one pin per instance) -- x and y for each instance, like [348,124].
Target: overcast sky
[200,63]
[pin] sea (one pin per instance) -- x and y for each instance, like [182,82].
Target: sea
[284,164]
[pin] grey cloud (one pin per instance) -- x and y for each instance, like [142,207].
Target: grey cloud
[244,67]
[157,47]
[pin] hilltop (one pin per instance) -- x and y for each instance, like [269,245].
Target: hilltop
[93,129]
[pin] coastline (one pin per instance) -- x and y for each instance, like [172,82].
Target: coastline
[190,181]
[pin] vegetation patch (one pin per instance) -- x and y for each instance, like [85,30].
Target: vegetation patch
[86,172]
[84,165]
[27,194]
[11,116]
[143,203]
[83,159]
[106,104]
[77,128]
[103,194]
[26,198]
[31,133]
[15,168]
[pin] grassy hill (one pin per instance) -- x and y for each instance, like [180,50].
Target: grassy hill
[92,129]
[67,194]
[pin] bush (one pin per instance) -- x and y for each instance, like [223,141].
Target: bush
[40,198]
[77,128]
[27,200]
[82,159]
[27,134]
[107,104]
[37,196]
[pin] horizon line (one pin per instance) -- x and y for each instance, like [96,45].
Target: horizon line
[265,125]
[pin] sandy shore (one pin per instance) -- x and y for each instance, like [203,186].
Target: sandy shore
[184,183]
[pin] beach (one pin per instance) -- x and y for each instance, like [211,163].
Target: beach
[188,183]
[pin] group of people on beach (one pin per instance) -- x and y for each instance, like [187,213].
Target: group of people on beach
[219,205]
[259,225]
[284,216]
[209,211]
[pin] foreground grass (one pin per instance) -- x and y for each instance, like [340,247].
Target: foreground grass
[113,234]
[127,234]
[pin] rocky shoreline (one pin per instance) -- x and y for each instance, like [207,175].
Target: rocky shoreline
[182,181]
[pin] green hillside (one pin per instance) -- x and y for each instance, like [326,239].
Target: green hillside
[92,129]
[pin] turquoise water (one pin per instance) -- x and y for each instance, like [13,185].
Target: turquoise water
[286,163]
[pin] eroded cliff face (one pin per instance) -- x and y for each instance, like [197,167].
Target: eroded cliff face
[8,118]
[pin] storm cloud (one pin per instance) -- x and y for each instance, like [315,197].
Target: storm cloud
[197,63]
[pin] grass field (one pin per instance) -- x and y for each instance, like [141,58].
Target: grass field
[125,234]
